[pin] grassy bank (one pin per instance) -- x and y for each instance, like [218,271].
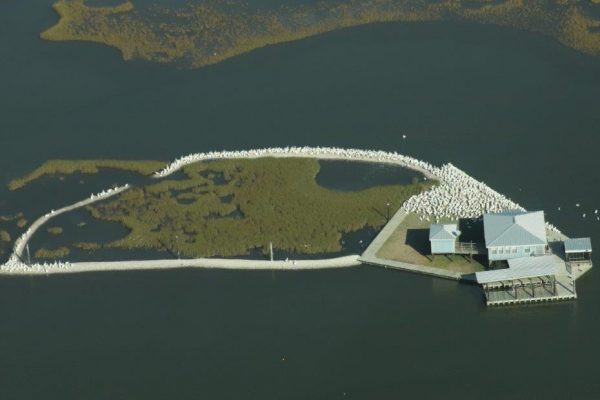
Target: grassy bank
[66,167]
[207,32]
[230,207]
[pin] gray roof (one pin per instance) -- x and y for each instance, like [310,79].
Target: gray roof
[524,268]
[578,245]
[514,228]
[535,261]
[443,232]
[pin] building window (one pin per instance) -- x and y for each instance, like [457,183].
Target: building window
[501,251]
[494,251]
[514,249]
[527,249]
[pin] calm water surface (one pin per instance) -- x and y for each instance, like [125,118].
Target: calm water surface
[516,110]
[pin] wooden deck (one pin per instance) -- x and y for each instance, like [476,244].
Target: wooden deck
[535,293]
[469,248]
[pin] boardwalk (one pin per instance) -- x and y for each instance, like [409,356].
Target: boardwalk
[217,263]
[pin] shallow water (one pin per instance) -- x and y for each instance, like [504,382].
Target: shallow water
[516,110]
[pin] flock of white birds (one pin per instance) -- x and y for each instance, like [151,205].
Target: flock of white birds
[457,195]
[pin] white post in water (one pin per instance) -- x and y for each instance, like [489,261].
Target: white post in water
[271,250]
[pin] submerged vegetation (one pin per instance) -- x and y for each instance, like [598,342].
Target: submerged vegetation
[208,31]
[231,207]
[66,167]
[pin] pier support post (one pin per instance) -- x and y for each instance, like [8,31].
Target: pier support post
[532,288]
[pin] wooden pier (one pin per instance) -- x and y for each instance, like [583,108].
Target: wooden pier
[531,291]
[469,248]
[529,280]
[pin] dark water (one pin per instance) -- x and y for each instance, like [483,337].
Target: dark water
[351,176]
[516,110]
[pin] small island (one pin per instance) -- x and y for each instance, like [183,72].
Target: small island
[213,210]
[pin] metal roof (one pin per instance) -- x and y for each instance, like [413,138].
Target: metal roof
[534,261]
[443,232]
[514,228]
[578,245]
[523,268]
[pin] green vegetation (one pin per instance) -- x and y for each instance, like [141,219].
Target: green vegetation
[9,218]
[66,167]
[54,254]
[4,236]
[87,246]
[55,230]
[210,31]
[230,207]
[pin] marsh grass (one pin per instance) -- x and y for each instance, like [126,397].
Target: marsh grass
[255,202]
[54,254]
[4,236]
[55,230]
[207,32]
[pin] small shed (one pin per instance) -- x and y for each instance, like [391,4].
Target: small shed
[578,249]
[443,237]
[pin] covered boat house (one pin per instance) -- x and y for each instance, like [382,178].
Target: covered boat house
[527,280]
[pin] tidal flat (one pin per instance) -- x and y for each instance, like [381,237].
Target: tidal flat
[203,32]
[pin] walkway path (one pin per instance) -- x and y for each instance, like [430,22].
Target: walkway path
[239,264]
[21,242]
